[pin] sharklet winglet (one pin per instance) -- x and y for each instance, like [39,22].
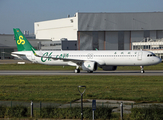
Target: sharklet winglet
[35,52]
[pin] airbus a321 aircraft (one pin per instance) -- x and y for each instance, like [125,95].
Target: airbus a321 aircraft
[87,60]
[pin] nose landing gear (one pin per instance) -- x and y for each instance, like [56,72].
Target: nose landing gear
[142,69]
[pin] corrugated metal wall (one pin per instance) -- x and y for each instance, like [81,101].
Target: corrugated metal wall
[86,39]
[111,40]
[120,40]
[159,34]
[120,21]
[127,41]
[116,31]
[137,36]
[104,40]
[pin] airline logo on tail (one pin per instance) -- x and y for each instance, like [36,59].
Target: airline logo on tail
[20,41]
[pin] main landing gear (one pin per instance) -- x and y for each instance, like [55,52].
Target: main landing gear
[77,70]
[142,69]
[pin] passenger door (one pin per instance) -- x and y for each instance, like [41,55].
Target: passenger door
[140,55]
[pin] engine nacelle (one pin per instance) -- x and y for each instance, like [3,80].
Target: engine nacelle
[89,66]
[108,68]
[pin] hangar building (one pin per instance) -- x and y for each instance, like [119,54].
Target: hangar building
[103,31]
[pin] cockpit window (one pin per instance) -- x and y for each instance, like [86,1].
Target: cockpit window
[150,55]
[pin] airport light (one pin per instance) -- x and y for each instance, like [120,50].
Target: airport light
[81,90]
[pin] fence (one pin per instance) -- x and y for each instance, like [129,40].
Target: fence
[115,105]
[37,106]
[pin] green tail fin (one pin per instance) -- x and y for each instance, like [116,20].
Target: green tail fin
[22,43]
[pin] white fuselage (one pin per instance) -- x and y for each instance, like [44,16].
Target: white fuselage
[105,57]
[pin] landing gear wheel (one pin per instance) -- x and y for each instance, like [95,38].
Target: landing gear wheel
[77,70]
[142,69]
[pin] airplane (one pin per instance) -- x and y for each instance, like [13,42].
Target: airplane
[88,60]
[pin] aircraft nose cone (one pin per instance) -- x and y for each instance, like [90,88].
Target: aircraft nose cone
[156,60]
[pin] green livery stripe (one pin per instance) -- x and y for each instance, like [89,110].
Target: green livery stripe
[21,42]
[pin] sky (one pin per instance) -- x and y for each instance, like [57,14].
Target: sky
[23,13]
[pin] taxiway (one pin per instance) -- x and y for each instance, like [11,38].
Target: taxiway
[118,72]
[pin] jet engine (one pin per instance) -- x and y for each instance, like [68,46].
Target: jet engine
[89,66]
[108,68]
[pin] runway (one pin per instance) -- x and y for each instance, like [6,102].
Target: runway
[108,73]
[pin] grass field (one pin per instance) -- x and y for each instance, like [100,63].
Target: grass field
[47,67]
[65,88]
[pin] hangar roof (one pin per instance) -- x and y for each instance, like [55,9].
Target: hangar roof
[120,21]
